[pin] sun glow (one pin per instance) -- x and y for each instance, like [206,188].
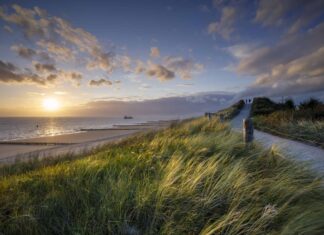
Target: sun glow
[51,104]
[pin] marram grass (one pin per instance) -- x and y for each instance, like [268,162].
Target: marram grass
[281,124]
[194,178]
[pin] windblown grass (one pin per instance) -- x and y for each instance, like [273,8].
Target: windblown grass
[194,178]
[308,131]
[304,124]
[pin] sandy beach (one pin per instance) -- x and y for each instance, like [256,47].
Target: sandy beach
[76,143]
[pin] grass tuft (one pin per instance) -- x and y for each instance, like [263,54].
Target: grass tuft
[196,177]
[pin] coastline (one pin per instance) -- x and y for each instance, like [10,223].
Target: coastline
[74,143]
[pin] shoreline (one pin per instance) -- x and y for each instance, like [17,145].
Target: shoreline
[73,143]
[123,126]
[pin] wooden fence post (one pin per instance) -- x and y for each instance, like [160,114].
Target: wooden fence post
[247,130]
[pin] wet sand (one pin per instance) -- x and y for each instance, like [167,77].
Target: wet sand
[76,143]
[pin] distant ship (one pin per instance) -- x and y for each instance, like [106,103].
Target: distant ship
[128,117]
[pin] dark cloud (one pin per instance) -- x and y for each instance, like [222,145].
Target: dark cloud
[57,40]
[44,56]
[230,13]
[29,53]
[7,71]
[126,63]
[225,26]
[71,76]
[170,67]
[85,42]
[30,21]
[52,77]
[160,72]
[140,67]
[275,12]
[285,88]
[100,82]
[295,15]
[36,24]
[294,65]
[272,12]
[11,74]
[60,52]
[185,68]
[288,49]
[103,61]
[24,52]
[45,68]
[311,10]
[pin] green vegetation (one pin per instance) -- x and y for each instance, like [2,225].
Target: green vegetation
[265,106]
[231,111]
[304,123]
[196,177]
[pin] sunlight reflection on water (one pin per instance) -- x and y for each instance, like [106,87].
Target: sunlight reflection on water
[29,127]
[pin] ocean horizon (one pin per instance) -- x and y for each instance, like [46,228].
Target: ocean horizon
[14,128]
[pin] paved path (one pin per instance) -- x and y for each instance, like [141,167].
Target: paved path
[296,150]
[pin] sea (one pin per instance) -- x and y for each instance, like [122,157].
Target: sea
[13,128]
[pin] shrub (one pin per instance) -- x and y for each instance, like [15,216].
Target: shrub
[262,106]
[311,109]
[310,104]
[284,120]
[289,104]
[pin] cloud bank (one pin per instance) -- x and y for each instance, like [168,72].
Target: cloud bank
[289,65]
[294,65]
[188,105]
[57,41]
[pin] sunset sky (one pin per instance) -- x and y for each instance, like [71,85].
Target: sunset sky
[76,53]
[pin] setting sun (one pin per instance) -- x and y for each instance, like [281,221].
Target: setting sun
[51,104]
